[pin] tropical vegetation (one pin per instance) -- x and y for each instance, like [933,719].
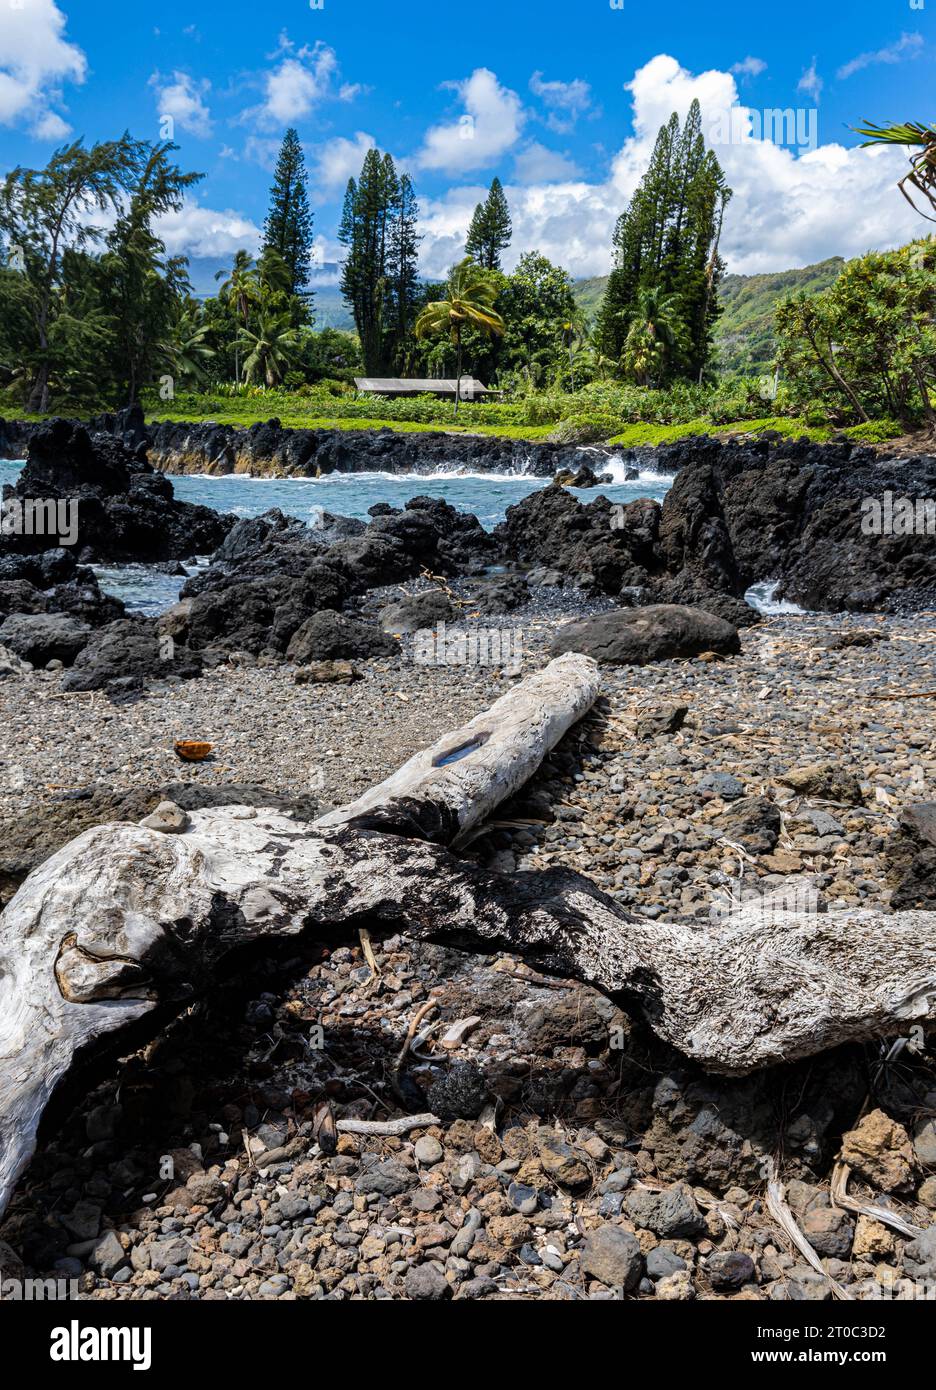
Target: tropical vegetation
[94,312]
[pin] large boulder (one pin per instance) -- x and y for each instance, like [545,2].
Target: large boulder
[54,566]
[122,508]
[602,547]
[637,636]
[417,611]
[912,858]
[19,596]
[123,656]
[502,593]
[43,637]
[328,636]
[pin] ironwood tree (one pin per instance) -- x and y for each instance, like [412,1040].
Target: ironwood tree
[379,277]
[490,230]
[667,241]
[288,227]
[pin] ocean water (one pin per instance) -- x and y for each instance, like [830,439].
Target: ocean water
[487,495]
[762,596]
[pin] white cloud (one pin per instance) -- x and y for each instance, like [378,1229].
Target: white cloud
[811,83]
[748,67]
[326,256]
[262,150]
[182,98]
[300,80]
[338,160]
[491,124]
[907,46]
[789,208]
[35,59]
[537,164]
[51,126]
[201,231]
[566,100]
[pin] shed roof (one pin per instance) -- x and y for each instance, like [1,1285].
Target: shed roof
[416,385]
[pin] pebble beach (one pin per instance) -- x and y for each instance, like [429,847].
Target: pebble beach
[566,1154]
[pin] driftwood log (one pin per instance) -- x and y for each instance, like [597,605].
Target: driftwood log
[127,917]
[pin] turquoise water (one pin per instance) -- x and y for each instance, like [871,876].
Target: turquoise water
[348,494]
[351,494]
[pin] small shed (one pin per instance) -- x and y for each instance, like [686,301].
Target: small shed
[471,390]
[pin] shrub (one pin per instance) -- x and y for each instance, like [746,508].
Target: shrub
[585,429]
[874,431]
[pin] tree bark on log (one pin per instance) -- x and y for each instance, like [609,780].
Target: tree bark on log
[126,917]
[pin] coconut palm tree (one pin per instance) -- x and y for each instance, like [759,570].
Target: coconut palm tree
[188,351]
[268,347]
[914,136]
[654,333]
[240,290]
[574,333]
[469,301]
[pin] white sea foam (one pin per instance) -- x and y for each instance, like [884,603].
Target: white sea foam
[762,596]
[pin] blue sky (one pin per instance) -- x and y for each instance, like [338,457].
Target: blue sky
[561,101]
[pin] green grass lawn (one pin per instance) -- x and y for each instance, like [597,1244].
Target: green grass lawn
[641,434]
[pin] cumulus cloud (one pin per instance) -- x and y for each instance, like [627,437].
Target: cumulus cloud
[907,46]
[537,164]
[183,98]
[199,231]
[335,161]
[790,207]
[748,67]
[35,60]
[51,126]
[489,126]
[299,80]
[566,100]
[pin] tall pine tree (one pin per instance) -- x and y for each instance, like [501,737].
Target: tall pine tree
[403,273]
[379,274]
[288,227]
[667,241]
[490,230]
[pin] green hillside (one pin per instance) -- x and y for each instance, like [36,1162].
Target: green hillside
[744,333]
[589,294]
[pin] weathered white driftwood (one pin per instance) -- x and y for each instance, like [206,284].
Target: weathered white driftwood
[125,917]
[74,939]
[442,791]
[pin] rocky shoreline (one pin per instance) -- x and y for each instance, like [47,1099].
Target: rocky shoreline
[569,1154]
[268,450]
[738,513]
